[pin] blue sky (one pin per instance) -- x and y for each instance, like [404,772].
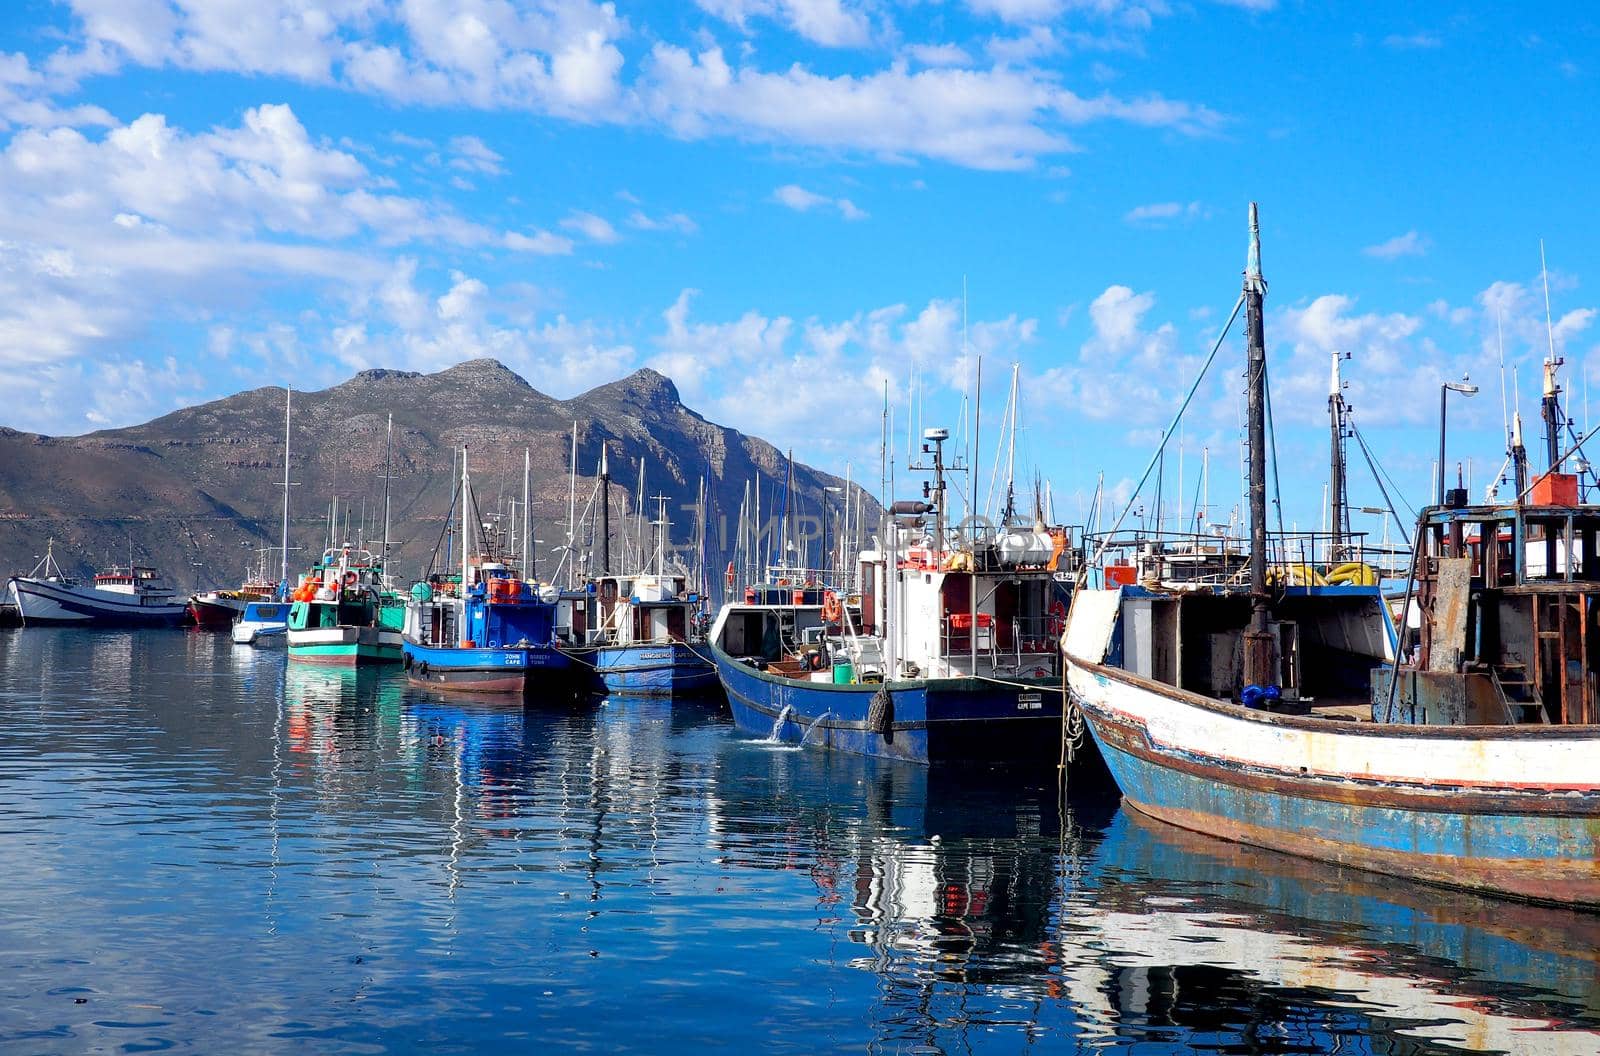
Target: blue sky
[775,202]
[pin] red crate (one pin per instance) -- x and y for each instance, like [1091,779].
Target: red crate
[1556,489]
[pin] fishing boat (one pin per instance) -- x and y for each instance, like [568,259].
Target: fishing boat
[343,612]
[220,609]
[648,631]
[488,630]
[131,595]
[946,653]
[1468,759]
[262,623]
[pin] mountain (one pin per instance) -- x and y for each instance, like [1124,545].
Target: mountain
[197,492]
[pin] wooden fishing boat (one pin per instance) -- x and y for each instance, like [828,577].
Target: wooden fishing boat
[1470,762]
[343,612]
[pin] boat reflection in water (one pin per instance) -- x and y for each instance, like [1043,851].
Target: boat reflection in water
[1175,924]
[981,907]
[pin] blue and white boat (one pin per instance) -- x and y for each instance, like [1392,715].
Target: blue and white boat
[497,636]
[946,653]
[647,636]
[264,624]
[486,630]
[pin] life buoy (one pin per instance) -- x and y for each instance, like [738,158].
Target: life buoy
[1058,619]
[350,579]
[832,611]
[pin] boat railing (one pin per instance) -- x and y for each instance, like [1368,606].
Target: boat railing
[1295,558]
[1024,636]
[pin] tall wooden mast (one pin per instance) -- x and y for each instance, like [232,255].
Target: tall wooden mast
[1258,650]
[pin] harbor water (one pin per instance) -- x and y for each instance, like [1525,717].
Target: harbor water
[206,847]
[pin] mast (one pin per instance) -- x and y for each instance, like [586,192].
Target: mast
[529,559]
[466,548]
[1550,405]
[288,403]
[1338,501]
[1519,456]
[1258,650]
[388,450]
[572,510]
[605,512]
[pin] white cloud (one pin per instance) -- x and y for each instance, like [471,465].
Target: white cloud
[542,243]
[473,155]
[594,228]
[945,54]
[558,58]
[679,222]
[1409,244]
[1412,41]
[831,23]
[793,196]
[1157,214]
[1002,118]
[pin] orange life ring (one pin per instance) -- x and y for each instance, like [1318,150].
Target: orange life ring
[350,579]
[1058,619]
[832,611]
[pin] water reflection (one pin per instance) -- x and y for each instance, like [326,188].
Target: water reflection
[1182,926]
[216,849]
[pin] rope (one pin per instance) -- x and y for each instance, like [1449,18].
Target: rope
[1378,475]
[1106,538]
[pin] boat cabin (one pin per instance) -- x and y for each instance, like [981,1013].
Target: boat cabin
[498,609]
[637,609]
[1505,624]
[1177,613]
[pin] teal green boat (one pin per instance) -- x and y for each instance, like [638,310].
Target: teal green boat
[344,614]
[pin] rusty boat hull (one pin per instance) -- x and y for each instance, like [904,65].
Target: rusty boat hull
[1512,811]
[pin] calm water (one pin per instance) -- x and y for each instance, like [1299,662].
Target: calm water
[203,847]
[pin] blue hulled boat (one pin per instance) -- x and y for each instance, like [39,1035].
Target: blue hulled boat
[1294,717]
[486,630]
[646,639]
[498,636]
[946,653]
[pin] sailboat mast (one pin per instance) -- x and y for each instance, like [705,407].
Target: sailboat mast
[1258,651]
[288,404]
[605,512]
[466,549]
[388,451]
[529,559]
[572,510]
[1338,501]
[1551,404]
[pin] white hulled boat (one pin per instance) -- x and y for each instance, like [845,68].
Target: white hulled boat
[131,596]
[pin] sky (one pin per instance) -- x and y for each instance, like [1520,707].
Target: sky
[794,207]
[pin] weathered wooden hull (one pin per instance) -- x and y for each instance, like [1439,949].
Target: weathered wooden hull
[661,670]
[927,721]
[1513,811]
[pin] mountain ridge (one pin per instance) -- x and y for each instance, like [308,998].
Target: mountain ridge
[198,491]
